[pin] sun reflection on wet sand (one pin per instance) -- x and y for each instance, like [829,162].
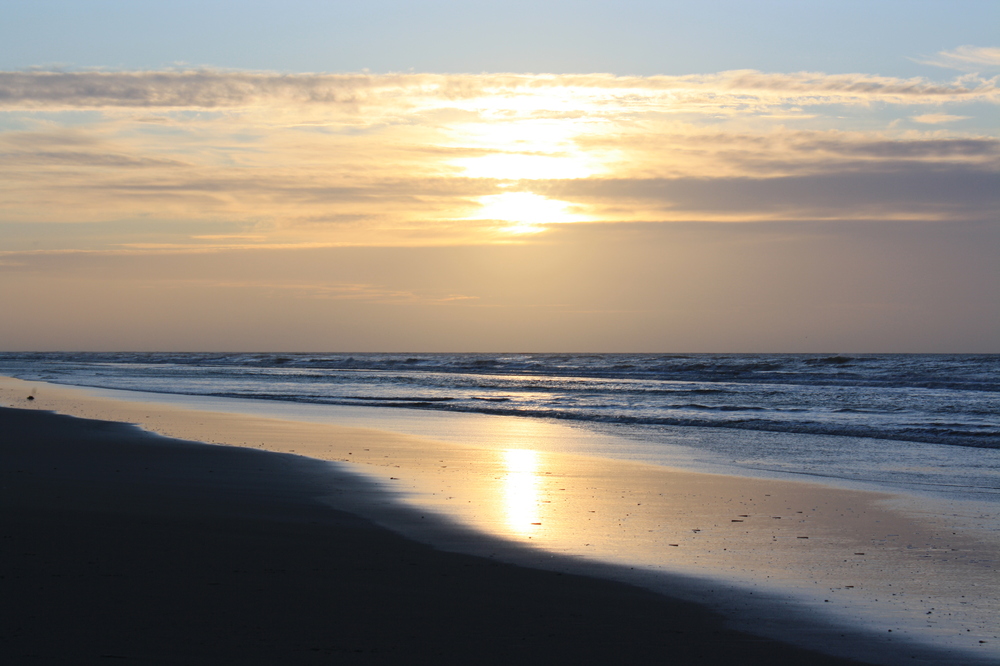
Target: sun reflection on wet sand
[520,490]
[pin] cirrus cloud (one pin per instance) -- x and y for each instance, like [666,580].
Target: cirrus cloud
[213,89]
[967,58]
[937,118]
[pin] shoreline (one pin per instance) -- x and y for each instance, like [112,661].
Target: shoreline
[685,448]
[396,509]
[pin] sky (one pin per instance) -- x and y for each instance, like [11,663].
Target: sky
[549,176]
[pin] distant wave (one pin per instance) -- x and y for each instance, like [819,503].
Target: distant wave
[938,434]
[966,372]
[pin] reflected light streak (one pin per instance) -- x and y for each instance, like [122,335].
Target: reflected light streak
[520,490]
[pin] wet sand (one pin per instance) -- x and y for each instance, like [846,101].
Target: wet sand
[847,544]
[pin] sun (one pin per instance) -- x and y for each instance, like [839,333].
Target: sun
[523,138]
[526,212]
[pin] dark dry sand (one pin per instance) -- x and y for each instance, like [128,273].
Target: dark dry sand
[120,546]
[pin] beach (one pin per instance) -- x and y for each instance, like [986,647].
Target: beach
[500,333]
[302,542]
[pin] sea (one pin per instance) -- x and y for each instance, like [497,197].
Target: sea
[919,423]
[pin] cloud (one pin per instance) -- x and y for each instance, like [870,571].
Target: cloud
[937,118]
[200,89]
[855,145]
[321,193]
[966,58]
[217,90]
[82,158]
[255,159]
[905,191]
[366,293]
[710,153]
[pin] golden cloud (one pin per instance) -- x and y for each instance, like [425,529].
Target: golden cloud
[266,160]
